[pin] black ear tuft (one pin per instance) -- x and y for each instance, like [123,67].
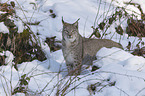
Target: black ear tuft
[78,20]
[76,23]
[62,20]
[64,23]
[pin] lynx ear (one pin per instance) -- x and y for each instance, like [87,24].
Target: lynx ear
[64,23]
[76,23]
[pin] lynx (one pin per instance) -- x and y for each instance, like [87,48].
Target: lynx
[77,50]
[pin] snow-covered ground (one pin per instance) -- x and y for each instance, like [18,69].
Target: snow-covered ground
[121,73]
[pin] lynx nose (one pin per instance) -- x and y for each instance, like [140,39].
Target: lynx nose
[69,36]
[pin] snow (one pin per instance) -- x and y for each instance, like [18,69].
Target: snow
[3,28]
[46,77]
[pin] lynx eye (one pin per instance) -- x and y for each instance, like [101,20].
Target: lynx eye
[74,31]
[66,32]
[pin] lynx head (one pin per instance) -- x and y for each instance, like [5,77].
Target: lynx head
[70,31]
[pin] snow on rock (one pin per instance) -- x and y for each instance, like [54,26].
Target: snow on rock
[123,68]
[111,56]
[3,28]
[135,63]
[9,58]
[8,79]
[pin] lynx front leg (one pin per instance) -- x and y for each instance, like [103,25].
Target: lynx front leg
[70,68]
[74,69]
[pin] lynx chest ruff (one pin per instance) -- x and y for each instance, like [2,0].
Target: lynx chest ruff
[69,56]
